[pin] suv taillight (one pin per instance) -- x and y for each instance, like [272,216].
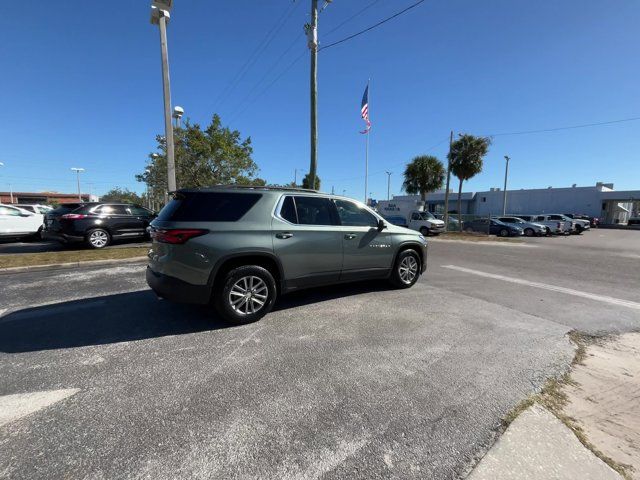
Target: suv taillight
[176,236]
[73,216]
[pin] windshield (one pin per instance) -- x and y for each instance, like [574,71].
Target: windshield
[426,216]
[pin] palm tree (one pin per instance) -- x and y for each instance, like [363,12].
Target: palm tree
[424,174]
[466,156]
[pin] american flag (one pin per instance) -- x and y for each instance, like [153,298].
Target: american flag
[364,109]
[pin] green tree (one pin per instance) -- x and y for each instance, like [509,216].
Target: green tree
[214,155]
[123,195]
[466,157]
[306,182]
[424,174]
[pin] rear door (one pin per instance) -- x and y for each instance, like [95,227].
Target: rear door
[143,215]
[119,220]
[10,221]
[307,241]
[368,252]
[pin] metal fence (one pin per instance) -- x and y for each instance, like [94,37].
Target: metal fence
[467,219]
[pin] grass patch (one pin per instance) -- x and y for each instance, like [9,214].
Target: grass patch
[477,237]
[553,398]
[48,258]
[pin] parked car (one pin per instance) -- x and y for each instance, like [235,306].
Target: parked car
[554,226]
[530,229]
[398,220]
[633,221]
[16,223]
[36,208]
[240,247]
[96,224]
[582,224]
[492,227]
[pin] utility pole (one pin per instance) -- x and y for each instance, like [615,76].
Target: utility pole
[312,42]
[388,185]
[504,194]
[446,192]
[160,16]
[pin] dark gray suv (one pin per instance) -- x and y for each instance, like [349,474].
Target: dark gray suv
[240,247]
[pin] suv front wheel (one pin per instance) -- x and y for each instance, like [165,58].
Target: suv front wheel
[98,238]
[406,269]
[247,294]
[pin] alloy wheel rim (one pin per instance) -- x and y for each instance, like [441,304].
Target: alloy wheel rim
[408,269]
[98,239]
[248,295]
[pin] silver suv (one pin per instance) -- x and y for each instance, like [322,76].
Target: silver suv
[238,248]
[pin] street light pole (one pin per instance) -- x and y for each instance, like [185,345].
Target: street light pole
[446,192]
[78,170]
[160,16]
[388,185]
[504,194]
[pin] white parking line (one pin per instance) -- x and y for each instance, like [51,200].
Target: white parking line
[553,288]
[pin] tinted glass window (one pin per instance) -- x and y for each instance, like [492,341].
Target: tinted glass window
[208,207]
[415,216]
[555,217]
[65,208]
[138,211]
[28,208]
[112,210]
[541,218]
[288,210]
[9,211]
[314,211]
[353,215]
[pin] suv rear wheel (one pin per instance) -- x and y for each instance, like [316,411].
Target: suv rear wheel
[406,269]
[98,238]
[248,294]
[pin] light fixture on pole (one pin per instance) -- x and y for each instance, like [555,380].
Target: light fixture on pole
[504,194]
[178,112]
[160,16]
[78,170]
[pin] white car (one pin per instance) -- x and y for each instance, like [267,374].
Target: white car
[17,223]
[36,208]
[425,223]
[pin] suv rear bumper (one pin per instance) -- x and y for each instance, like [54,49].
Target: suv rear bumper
[176,290]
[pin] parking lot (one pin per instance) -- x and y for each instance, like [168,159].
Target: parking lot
[354,381]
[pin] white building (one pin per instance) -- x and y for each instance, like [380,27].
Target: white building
[600,201]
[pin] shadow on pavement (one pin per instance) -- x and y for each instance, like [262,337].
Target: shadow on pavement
[41,246]
[133,316]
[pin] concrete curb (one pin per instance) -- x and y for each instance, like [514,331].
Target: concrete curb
[62,266]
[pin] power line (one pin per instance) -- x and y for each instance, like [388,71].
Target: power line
[255,55]
[273,82]
[524,132]
[372,26]
[351,17]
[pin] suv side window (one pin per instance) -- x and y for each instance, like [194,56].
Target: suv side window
[314,210]
[138,211]
[540,218]
[555,217]
[415,216]
[352,215]
[288,210]
[112,210]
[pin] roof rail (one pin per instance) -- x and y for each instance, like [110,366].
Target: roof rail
[255,187]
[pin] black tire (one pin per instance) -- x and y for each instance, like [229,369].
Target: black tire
[406,260]
[548,231]
[529,232]
[98,238]
[424,231]
[261,290]
[504,232]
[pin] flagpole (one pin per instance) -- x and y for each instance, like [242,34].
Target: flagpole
[366,150]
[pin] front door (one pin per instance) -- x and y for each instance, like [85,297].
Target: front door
[368,252]
[120,221]
[307,240]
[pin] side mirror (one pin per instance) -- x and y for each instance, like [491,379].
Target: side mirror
[381,225]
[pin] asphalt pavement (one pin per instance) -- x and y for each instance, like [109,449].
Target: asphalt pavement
[357,381]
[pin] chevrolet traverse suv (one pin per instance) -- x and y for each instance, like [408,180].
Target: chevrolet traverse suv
[238,248]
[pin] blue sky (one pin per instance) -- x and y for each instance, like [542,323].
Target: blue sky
[82,87]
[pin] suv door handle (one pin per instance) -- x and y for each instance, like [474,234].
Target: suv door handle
[350,236]
[284,235]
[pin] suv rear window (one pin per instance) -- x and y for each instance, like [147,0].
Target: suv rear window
[65,208]
[208,207]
